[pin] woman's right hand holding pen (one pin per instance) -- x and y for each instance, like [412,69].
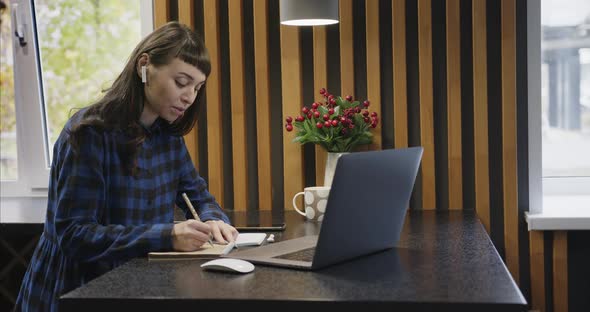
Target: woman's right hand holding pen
[190,235]
[222,232]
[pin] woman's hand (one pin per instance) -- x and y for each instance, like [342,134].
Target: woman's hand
[190,235]
[222,232]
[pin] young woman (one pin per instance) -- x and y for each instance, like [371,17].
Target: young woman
[119,167]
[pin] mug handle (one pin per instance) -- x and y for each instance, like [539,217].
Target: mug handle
[295,205]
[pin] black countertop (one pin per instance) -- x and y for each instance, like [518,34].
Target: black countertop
[444,260]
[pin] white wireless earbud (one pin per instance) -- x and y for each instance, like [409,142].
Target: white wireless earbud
[143,74]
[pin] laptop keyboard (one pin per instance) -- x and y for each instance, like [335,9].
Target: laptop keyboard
[300,255]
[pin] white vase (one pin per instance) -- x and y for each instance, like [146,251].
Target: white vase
[331,161]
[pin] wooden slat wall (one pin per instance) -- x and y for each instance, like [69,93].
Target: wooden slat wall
[374,67]
[185,16]
[400,96]
[537,251]
[214,113]
[455,160]
[346,48]
[560,272]
[291,80]
[510,187]
[238,105]
[426,105]
[320,80]
[550,272]
[480,114]
[161,12]
[265,189]
[408,54]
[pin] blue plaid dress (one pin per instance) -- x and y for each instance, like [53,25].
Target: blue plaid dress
[98,216]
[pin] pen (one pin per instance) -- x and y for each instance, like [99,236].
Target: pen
[194,212]
[228,248]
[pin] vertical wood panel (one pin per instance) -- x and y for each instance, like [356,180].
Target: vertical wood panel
[320,80]
[374,68]
[426,103]
[161,12]
[186,13]
[263,123]
[510,186]
[346,49]
[560,272]
[455,158]
[238,105]
[186,16]
[480,113]
[292,99]
[400,87]
[214,113]
[537,252]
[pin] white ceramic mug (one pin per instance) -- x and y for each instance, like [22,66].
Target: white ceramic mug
[315,201]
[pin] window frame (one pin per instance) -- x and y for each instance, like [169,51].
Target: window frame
[32,143]
[571,190]
[31,156]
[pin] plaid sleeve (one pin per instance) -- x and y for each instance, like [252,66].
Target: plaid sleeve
[195,188]
[80,195]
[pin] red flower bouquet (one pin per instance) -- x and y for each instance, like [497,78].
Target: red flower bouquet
[338,124]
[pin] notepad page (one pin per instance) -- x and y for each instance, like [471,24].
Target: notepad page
[250,239]
[208,252]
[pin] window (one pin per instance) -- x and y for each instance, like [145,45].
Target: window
[65,54]
[558,43]
[565,89]
[8,153]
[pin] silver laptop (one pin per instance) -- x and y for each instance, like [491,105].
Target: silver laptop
[365,213]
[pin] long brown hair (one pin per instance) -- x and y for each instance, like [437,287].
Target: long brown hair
[121,106]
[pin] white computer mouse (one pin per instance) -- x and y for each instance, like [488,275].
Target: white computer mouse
[229,265]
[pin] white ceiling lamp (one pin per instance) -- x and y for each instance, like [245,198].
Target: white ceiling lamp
[309,12]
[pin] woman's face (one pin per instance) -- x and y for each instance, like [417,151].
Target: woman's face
[170,90]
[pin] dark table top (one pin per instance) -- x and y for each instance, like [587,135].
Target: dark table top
[444,260]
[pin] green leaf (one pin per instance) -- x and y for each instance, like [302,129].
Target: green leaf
[306,125]
[298,139]
[343,103]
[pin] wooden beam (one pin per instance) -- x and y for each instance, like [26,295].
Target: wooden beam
[161,12]
[238,105]
[186,13]
[480,113]
[320,80]
[560,272]
[400,74]
[537,259]
[292,92]
[186,16]
[374,68]
[426,103]
[214,113]
[509,162]
[346,49]
[455,152]
[263,124]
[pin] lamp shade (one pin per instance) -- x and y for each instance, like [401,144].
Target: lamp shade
[309,12]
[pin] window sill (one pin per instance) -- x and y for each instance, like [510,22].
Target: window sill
[561,213]
[29,210]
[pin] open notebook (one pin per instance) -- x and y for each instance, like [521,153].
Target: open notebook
[207,251]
